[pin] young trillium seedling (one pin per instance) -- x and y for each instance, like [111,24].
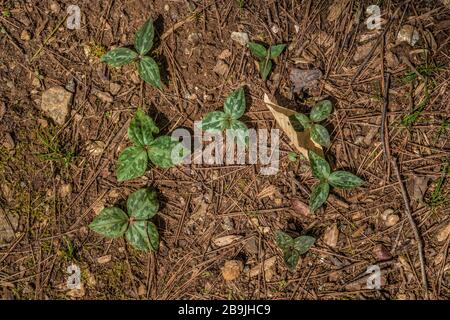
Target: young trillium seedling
[319,112]
[163,151]
[147,67]
[293,248]
[140,232]
[234,108]
[265,56]
[338,179]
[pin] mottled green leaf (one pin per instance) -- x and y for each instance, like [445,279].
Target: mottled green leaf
[141,129]
[257,50]
[320,135]
[345,180]
[276,50]
[215,121]
[234,105]
[240,131]
[284,241]
[143,41]
[160,151]
[318,196]
[292,156]
[303,243]
[319,166]
[110,222]
[153,235]
[138,235]
[265,66]
[149,71]
[291,258]
[321,111]
[142,204]
[119,57]
[132,163]
[299,121]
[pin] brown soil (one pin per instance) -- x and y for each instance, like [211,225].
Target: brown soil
[52,186]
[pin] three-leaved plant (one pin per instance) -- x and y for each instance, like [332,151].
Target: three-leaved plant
[265,56]
[228,119]
[338,179]
[140,232]
[147,67]
[319,112]
[293,248]
[163,151]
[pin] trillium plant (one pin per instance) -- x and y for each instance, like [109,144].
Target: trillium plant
[147,67]
[163,151]
[140,232]
[338,179]
[228,119]
[319,112]
[293,248]
[265,56]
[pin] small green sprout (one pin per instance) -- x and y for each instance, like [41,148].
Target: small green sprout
[265,56]
[293,248]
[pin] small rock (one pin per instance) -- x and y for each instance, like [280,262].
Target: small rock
[300,207]
[221,68]
[275,29]
[195,38]
[225,54]
[408,34]
[55,7]
[8,141]
[104,96]
[381,253]
[25,35]
[331,236]
[95,147]
[56,103]
[114,88]
[304,79]
[386,213]
[251,246]
[232,269]
[240,37]
[104,259]
[166,7]
[443,233]
[65,190]
[392,220]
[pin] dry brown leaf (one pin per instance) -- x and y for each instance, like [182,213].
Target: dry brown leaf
[443,233]
[331,236]
[232,269]
[226,240]
[266,264]
[300,140]
[304,79]
[268,191]
[336,9]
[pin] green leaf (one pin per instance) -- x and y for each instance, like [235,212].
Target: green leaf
[234,105]
[299,121]
[143,41]
[215,121]
[132,163]
[319,166]
[265,66]
[119,57]
[138,235]
[276,50]
[318,196]
[110,222]
[345,180]
[160,151]
[292,156]
[257,50]
[303,243]
[141,129]
[154,235]
[284,241]
[291,259]
[240,130]
[321,111]
[142,204]
[149,71]
[320,135]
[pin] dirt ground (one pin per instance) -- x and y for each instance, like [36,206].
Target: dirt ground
[54,178]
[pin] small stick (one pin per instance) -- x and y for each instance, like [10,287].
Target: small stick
[384,132]
[413,226]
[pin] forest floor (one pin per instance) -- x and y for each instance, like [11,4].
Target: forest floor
[54,178]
